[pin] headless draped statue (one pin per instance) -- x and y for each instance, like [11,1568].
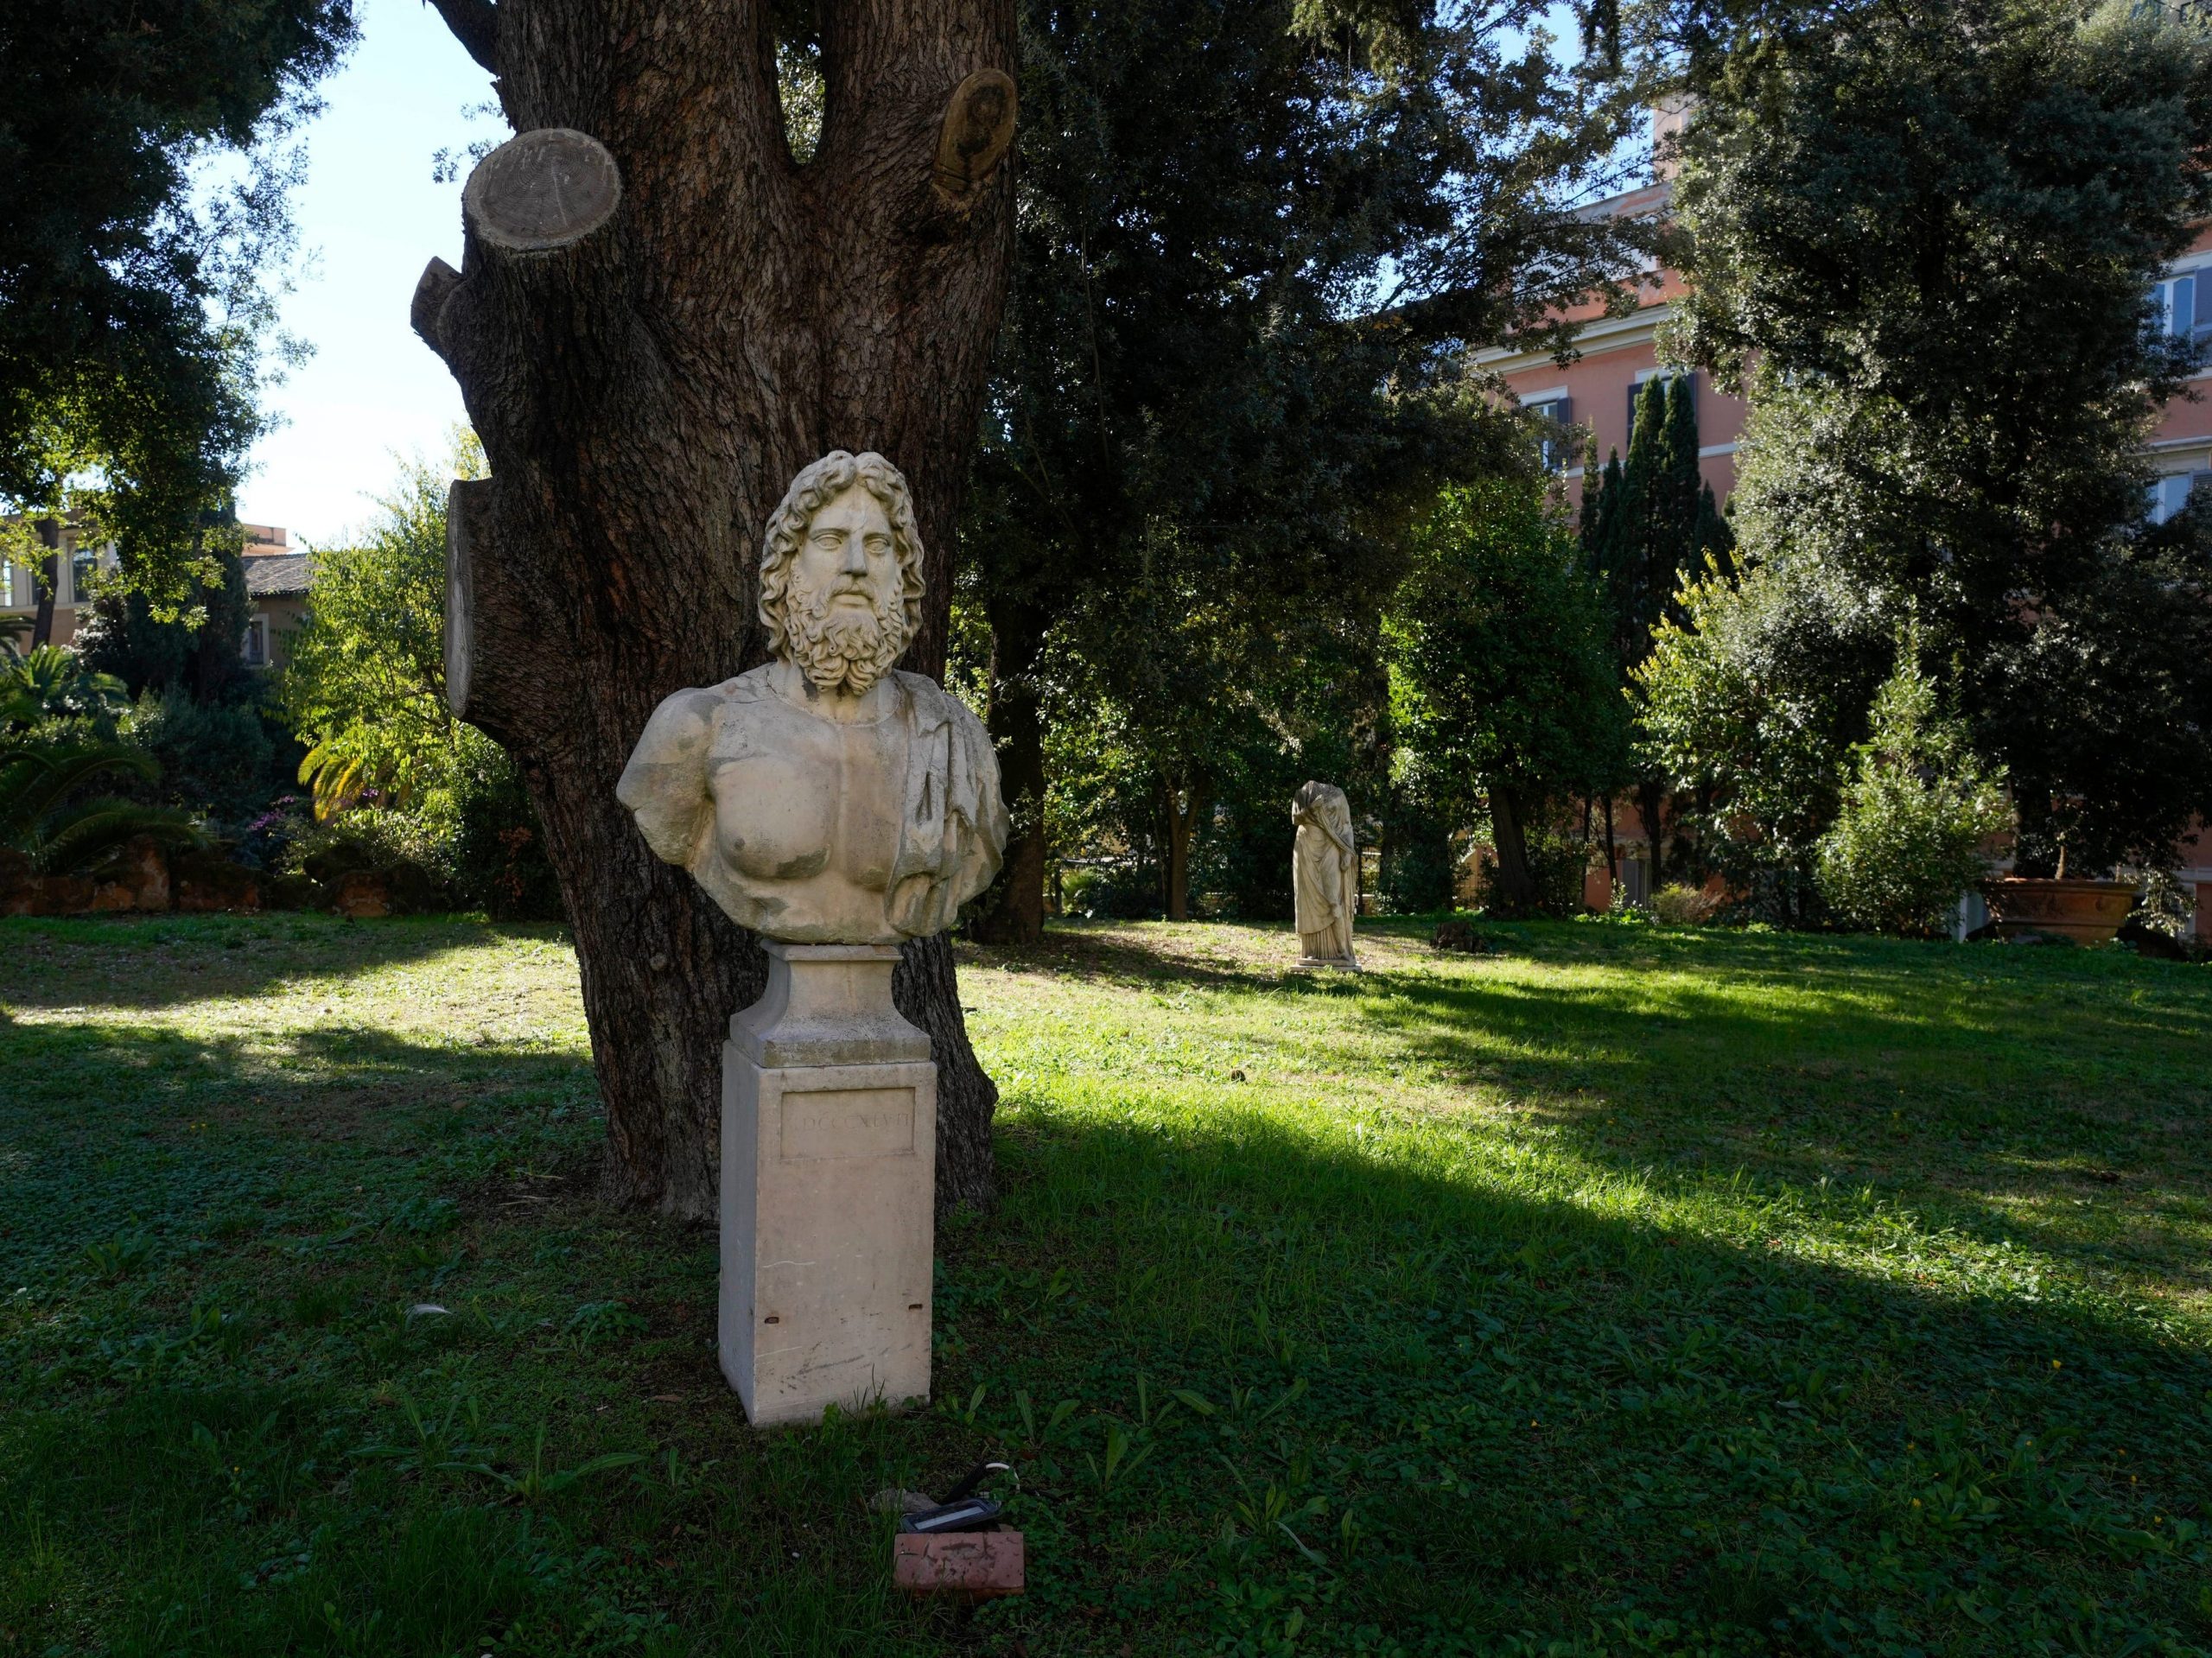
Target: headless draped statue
[1324,868]
[825,797]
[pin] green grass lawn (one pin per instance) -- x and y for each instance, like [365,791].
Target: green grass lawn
[1627,1291]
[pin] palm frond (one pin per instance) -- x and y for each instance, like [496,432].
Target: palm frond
[77,840]
[33,780]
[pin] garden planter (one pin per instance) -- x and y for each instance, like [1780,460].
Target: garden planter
[2085,911]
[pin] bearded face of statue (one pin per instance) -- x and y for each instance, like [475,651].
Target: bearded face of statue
[844,611]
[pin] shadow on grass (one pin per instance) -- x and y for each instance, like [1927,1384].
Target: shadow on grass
[2062,1114]
[1539,1415]
[169,960]
[1515,1412]
[1146,954]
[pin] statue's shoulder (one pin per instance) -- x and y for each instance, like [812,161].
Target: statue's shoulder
[750,686]
[930,700]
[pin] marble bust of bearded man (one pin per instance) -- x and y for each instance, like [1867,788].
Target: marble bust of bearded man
[825,797]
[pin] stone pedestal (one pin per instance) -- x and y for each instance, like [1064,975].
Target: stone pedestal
[828,1189]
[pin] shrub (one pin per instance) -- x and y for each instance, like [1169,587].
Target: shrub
[1684,906]
[388,844]
[1109,893]
[50,815]
[1915,811]
[1752,699]
[218,757]
[1418,865]
[482,838]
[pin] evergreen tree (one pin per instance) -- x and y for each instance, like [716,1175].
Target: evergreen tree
[1648,528]
[1197,409]
[1924,236]
[1503,684]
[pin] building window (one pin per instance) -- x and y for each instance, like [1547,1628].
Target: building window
[2179,308]
[7,584]
[2169,494]
[1635,391]
[84,569]
[1635,881]
[256,642]
[1557,442]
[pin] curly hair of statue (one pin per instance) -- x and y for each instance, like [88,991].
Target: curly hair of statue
[814,489]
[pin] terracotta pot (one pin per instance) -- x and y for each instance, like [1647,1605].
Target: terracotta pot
[2086,911]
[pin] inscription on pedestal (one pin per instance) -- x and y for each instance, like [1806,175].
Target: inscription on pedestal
[848,1122]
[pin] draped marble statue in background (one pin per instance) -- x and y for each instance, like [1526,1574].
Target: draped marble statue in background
[1324,875]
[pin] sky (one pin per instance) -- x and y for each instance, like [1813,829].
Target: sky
[370,218]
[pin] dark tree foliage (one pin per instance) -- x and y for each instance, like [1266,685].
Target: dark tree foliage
[197,652]
[129,313]
[1504,684]
[1252,238]
[201,711]
[1925,236]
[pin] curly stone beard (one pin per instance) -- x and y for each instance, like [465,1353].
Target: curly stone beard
[839,650]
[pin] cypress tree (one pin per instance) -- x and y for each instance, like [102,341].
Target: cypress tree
[1651,521]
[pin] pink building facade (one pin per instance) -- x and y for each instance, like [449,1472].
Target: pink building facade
[1594,393]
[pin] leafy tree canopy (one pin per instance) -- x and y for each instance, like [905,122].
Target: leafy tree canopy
[1926,236]
[365,684]
[1255,239]
[1503,676]
[1752,699]
[132,299]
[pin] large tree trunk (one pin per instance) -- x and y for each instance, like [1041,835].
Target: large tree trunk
[1516,887]
[662,318]
[1017,722]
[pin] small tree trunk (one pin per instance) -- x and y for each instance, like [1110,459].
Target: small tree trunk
[1651,800]
[1515,884]
[49,584]
[1016,915]
[1182,813]
[662,317]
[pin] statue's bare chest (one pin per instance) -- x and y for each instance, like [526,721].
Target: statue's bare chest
[798,797]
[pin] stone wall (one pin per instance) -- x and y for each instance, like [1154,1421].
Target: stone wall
[147,879]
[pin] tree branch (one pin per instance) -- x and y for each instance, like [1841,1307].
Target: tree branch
[475,24]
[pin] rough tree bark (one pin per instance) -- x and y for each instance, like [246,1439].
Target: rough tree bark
[1516,885]
[661,318]
[1183,807]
